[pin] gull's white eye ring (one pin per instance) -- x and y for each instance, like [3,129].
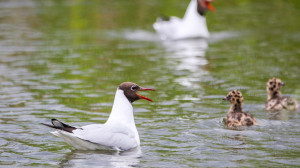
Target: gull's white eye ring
[134,87]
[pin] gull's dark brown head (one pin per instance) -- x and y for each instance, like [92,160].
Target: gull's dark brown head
[273,87]
[234,97]
[130,91]
[204,5]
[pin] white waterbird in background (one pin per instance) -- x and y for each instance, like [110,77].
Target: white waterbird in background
[192,25]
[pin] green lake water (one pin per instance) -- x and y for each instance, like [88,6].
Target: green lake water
[65,59]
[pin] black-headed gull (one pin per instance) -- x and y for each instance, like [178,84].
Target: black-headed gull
[118,133]
[193,24]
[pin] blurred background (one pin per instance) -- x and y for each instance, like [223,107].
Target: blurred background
[65,59]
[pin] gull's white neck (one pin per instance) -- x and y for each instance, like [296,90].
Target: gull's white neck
[194,21]
[191,11]
[122,110]
[122,113]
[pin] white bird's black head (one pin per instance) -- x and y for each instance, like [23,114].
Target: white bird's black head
[203,6]
[130,91]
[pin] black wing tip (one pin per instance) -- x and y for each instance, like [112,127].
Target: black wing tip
[56,124]
[54,119]
[48,125]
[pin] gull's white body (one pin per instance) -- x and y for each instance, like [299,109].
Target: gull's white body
[118,133]
[192,25]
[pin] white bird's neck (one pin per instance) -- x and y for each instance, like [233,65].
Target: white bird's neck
[192,13]
[193,22]
[122,110]
[122,113]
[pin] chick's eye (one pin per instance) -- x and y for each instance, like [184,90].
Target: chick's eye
[134,87]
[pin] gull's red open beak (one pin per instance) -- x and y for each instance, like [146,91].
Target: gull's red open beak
[209,6]
[143,97]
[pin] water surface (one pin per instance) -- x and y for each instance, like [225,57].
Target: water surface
[65,60]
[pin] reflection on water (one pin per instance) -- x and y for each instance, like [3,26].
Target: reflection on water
[282,115]
[80,159]
[187,58]
[65,59]
[139,35]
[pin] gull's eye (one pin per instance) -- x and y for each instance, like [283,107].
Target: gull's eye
[134,87]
